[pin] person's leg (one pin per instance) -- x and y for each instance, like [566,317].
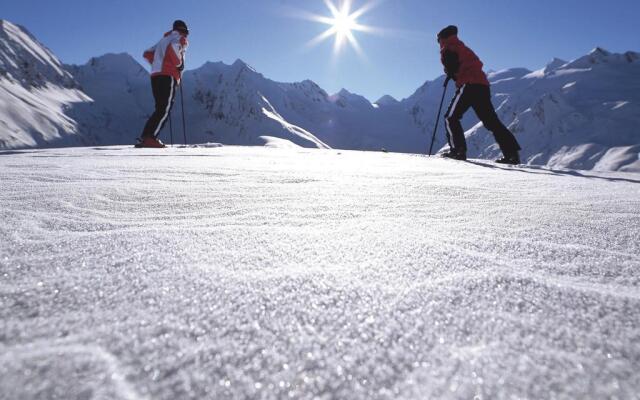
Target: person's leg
[487,114]
[455,134]
[163,88]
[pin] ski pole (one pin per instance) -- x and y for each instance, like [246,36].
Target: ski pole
[184,124]
[444,92]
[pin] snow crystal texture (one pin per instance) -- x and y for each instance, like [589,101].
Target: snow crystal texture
[270,273]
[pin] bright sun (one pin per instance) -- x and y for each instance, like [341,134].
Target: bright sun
[342,24]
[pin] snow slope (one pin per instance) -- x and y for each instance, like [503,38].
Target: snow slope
[257,273]
[35,93]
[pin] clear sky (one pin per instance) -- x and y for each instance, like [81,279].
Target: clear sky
[505,33]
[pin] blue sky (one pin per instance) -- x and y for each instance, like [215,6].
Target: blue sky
[505,33]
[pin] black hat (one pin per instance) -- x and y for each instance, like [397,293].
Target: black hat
[450,30]
[180,26]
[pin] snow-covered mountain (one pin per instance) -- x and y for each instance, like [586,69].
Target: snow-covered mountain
[579,114]
[35,93]
[122,99]
[234,104]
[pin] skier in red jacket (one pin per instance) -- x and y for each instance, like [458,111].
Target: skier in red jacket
[167,63]
[473,91]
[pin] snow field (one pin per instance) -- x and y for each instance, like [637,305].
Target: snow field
[268,273]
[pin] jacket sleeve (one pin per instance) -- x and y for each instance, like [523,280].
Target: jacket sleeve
[150,54]
[178,50]
[184,44]
[172,56]
[451,63]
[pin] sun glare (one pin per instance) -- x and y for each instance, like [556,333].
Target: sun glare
[342,22]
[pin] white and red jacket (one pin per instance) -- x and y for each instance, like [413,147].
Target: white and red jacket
[167,57]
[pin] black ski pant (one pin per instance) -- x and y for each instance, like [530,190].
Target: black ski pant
[164,90]
[477,97]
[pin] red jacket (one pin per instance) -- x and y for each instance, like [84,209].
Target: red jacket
[461,63]
[167,57]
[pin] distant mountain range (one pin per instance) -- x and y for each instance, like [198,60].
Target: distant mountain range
[581,114]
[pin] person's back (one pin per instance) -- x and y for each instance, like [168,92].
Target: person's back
[469,68]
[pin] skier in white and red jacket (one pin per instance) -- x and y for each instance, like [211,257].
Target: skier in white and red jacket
[167,63]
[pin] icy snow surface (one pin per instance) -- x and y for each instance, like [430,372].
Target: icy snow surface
[261,273]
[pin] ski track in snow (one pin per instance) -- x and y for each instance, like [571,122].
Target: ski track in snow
[255,273]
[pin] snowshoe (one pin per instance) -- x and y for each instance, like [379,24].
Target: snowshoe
[150,142]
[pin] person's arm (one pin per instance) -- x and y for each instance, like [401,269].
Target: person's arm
[177,52]
[184,44]
[150,54]
[451,63]
[174,56]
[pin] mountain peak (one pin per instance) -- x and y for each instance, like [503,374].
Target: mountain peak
[240,67]
[599,57]
[599,51]
[17,34]
[119,63]
[311,83]
[387,100]
[25,59]
[239,63]
[554,64]
[8,26]
[345,97]
[114,57]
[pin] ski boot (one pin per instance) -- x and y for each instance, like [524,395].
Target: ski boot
[456,155]
[150,142]
[511,159]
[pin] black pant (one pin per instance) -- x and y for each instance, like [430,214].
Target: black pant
[478,97]
[164,89]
